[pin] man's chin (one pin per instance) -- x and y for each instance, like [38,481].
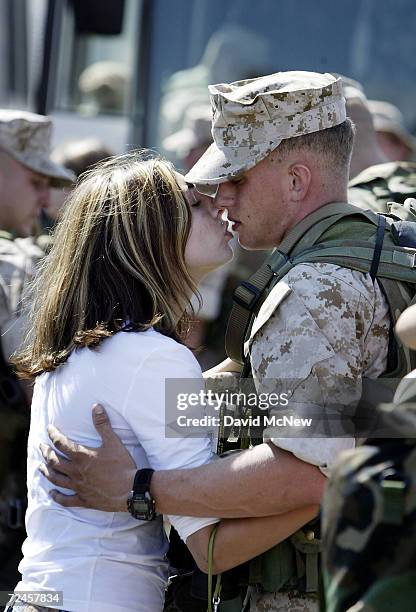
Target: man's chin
[251,245]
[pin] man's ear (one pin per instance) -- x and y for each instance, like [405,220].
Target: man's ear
[299,181]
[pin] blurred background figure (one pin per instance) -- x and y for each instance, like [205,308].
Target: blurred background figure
[191,142]
[26,170]
[26,174]
[368,518]
[366,150]
[77,156]
[105,86]
[232,53]
[394,139]
[374,179]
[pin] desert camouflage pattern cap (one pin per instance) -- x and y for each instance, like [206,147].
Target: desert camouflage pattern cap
[388,118]
[252,117]
[26,137]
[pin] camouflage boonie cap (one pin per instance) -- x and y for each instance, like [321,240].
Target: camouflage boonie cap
[26,137]
[252,117]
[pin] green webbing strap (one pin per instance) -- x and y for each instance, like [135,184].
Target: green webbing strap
[213,600]
[395,264]
[307,558]
[394,501]
[246,301]
[336,210]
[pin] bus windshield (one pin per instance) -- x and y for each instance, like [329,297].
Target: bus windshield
[212,41]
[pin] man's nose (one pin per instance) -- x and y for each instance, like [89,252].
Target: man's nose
[225,196]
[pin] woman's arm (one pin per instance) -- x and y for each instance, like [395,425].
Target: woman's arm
[238,540]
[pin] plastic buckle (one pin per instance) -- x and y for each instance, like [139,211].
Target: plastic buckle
[241,301]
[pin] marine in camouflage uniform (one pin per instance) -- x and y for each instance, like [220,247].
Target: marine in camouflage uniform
[322,327]
[25,174]
[369,510]
[382,183]
[330,327]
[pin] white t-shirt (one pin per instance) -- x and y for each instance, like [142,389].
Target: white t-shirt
[103,560]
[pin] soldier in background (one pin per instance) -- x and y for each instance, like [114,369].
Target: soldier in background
[26,173]
[393,138]
[105,86]
[76,156]
[374,180]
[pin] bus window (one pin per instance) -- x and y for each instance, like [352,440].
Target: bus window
[95,71]
[212,41]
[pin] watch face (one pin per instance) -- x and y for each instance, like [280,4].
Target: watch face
[141,506]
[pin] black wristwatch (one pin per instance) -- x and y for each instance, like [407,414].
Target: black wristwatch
[140,502]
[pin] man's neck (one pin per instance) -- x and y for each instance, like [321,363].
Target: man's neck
[310,207]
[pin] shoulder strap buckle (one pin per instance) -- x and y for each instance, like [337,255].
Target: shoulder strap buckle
[247,295]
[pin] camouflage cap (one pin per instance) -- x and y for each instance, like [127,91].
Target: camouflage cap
[388,118]
[252,117]
[26,137]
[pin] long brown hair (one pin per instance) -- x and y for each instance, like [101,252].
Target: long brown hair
[117,261]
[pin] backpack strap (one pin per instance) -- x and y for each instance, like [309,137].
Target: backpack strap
[393,490]
[381,228]
[247,300]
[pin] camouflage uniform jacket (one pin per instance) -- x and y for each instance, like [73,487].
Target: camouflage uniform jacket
[320,329]
[377,185]
[18,260]
[369,536]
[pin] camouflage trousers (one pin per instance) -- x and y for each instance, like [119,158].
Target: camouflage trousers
[289,601]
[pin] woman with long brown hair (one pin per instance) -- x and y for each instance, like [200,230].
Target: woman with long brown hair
[107,323]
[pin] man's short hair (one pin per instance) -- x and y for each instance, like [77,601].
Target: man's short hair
[335,143]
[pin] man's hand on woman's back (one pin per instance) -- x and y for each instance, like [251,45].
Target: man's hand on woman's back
[101,478]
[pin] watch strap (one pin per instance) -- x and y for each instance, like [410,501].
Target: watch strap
[142,480]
